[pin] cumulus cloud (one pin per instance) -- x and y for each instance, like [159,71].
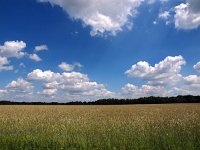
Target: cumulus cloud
[41,48]
[20,86]
[104,16]
[49,91]
[35,57]
[175,91]
[19,90]
[3,92]
[4,64]
[45,76]
[133,91]
[163,79]
[190,86]
[187,15]
[13,49]
[197,67]
[16,49]
[71,83]
[192,80]
[73,86]
[69,67]
[161,73]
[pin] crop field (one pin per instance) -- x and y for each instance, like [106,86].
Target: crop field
[125,127]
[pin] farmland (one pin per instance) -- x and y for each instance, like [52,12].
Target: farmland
[161,126]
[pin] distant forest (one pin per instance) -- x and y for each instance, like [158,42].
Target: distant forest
[144,100]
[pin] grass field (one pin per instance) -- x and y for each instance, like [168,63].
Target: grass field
[169,126]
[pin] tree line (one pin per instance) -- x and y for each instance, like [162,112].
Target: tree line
[113,101]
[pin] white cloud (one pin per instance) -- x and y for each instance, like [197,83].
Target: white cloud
[35,57]
[4,64]
[192,81]
[41,48]
[189,87]
[175,91]
[20,86]
[187,15]
[132,91]
[164,79]
[3,92]
[164,15]
[197,67]
[69,67]
[161,73]
[49,91]
[104,16]
[13,49]
[45,76]
[71,83]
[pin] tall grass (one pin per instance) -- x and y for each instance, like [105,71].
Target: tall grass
[169,126]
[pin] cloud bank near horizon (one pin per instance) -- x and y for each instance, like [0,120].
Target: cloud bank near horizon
[162,79]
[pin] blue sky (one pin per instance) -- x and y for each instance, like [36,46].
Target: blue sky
[64,50]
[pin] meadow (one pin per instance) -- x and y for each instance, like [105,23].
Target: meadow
[122,127]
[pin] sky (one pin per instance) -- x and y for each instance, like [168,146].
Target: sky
[84,50]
